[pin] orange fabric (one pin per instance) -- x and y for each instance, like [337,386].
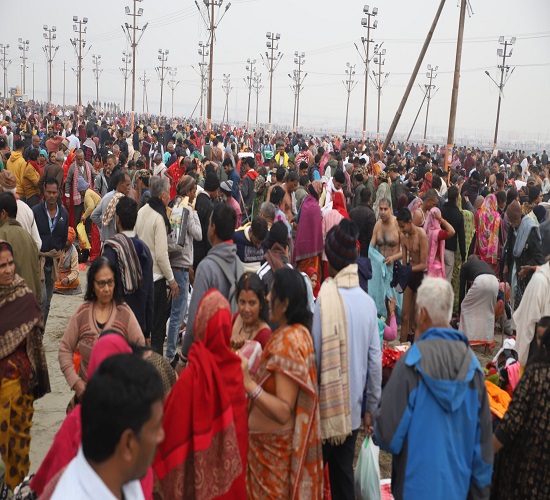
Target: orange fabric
[499,400]
[289,461]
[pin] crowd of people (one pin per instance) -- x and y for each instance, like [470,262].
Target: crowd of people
[253,303]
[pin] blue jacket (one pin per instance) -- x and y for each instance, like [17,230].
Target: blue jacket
[434,418]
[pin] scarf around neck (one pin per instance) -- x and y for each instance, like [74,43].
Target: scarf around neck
[128,262]
[524,230]
[156,204]
[334,390]
[276,257]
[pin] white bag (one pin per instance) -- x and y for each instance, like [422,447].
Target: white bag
[367,474]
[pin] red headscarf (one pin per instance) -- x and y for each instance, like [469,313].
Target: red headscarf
[205,418]
[338,203]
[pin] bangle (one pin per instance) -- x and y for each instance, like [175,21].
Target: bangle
[256,393]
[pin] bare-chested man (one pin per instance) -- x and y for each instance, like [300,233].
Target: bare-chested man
[414,246]
[385,249]
[430,200]
[289,204]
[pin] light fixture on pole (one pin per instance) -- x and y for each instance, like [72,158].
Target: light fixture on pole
[79,44]
[126,59]
[349,84]
[131,31]
[96,60]
[366,23]
[504,68]
[248,80]
[298,80]
[379,53]
[271,62]
[430,76]
[227,89]
[24,48]
[209,18]
[257,86]
[5,63]
[172,84]
[144,81]
[204,52]
[49,36]
[161,72]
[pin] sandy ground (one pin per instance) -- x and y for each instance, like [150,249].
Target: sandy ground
[50,410]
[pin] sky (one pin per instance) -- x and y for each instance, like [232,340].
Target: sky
[326,32]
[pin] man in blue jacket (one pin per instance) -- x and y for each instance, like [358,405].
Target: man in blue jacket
[434,414]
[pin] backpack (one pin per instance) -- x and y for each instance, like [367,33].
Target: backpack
[311,172]
[231,277]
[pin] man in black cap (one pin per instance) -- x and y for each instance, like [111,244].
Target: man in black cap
[347,354]
[204,205]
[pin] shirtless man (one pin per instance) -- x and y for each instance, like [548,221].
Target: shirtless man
[289,203]
[430,200]
[385,239]
[279,180]
[414,246]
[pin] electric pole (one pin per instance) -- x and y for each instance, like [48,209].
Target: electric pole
[64,73]
[366,41]
[227,89]
[144,81]
[204,52]
[271,61]
[162,57]
[24,48]
[430,75]
[379,53]
[349,84]
[5,63]
[211,25]
[173,84]
[131,30]
[126,59]
[79,44]
[49,36]
[248,81]
[97,72]
[257,86]
[503,54]
[425,92]
[33,81]
[296,77]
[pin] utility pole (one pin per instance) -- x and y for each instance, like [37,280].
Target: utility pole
[64,74]
[49,36]
[33,81]
[144,81]
[131,30]
[456,81]
[379,53]
[257,86]
[204,52]
[173,84]
[425,92]
[366,23]
[248,81]
[227,89]
[126,59]
[296,77]
[349,84]
[401,107]
[24,48]
[209,18]
[5,63]
[503,54]
[430,75]
[97,72]
[79,44]
[162,57]
[271,61]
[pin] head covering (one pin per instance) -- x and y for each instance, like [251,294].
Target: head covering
[540,212]
[141,174]
[318,187]
[211,182]
[432,226]
[227,187]
[513,212]
[478,203]
[487,224]
[82,184]
[206,406]
[66,143]
[339,204]
[71,235]
[341,244]
[109,344]
[186,183]
[7,179]
[382,175]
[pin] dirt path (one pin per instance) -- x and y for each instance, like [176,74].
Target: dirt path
[50,410]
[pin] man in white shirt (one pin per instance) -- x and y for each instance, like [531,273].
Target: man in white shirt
[121,416]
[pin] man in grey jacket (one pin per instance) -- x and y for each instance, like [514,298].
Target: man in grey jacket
[220,269]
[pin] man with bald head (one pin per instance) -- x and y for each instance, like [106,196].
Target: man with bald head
[79,168]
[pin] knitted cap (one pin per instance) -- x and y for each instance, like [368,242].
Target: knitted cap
[7,179]
[341,244]
[82,184]
[211,182]
[227,186]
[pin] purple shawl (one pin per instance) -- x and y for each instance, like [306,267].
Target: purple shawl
[309,235]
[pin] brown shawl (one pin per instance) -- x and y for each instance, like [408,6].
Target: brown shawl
[22,320]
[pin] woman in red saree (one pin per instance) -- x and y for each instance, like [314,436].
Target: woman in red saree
[205,417]
[285,455]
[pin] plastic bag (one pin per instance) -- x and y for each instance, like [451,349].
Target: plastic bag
[367,474]
[83,237]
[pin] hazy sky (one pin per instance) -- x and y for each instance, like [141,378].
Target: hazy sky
[326,31]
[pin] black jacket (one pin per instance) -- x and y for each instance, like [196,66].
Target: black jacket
[51,240]
[452,214]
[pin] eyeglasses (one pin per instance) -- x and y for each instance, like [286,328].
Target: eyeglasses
[104,283]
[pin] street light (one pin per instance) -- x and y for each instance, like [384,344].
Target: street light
[49,36]
[271,61]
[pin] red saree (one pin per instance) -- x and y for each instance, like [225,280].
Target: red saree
[205,417]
